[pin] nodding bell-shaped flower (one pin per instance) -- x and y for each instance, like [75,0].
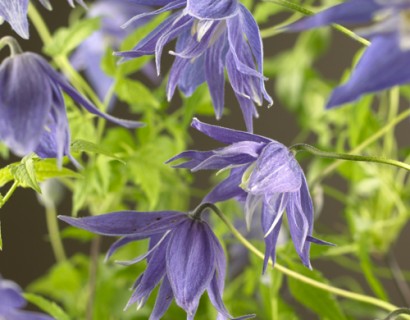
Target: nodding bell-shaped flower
[264,175]
[384,63]
[12,301]
[212,35]
[15,13]
[184,255]
[32,109]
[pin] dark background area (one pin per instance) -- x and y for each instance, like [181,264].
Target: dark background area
[26,252]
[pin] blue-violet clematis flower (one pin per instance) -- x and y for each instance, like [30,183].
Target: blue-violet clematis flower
[32,108]
[15,13]
[384,63]
[12,301]
[184,255]
[89,54]
[211,35]
[264,176]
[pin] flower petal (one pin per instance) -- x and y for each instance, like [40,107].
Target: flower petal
[15,13]
[225,135]
[212,9]
[25,102]
[383,65]
[164,299]
[190,264]
[276,171]
[300,219]
[125,223]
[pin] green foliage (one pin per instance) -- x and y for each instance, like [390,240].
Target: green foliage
[67,39]
[49,307]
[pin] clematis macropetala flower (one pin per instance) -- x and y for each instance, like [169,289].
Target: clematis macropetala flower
[211,36]
[264,175]
[15,13]
[384,63]
[184,255]
[32,109]
[12,301]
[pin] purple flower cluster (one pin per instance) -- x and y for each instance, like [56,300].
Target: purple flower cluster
[184,255]
[212,35]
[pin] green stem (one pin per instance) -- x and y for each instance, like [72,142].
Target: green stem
[386,129]
[8,194]
[12,44]
[297,8]
[54,233]
[397,313]
[346,156]
[62,61]
[339,292]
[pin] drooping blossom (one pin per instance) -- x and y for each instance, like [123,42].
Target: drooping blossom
[15,13]
[89,54]
[12,301]
[384,63]
[212,35]
[184,255]
[32,109]
[264,175]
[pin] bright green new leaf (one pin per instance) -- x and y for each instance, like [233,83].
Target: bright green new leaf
[5,176]
[79,146]
[134,93]
[24,174]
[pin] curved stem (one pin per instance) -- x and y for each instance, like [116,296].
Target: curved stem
[340,292]
[12,43]
[62,61]
[297,8]
[347,156]
[396,313]
[386,129]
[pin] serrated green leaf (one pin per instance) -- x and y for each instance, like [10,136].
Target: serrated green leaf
[47,169]
[135,94]
[67,39]
[24,174]
[320,301]
[47,306]
[79,146]
[5,176]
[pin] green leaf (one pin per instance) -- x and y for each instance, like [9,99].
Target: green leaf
[79,146]
[50,307]
[67,39]
[24,174]
[135,94]
[48,168]
[321,302]
[5,176]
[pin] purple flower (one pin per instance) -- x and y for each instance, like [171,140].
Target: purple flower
[15,13]
[264,176]
[384,64]
[211,35]
[184,255]
[89,54]
[11,301]
[32,109]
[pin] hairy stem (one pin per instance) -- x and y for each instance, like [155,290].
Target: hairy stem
[348,156]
